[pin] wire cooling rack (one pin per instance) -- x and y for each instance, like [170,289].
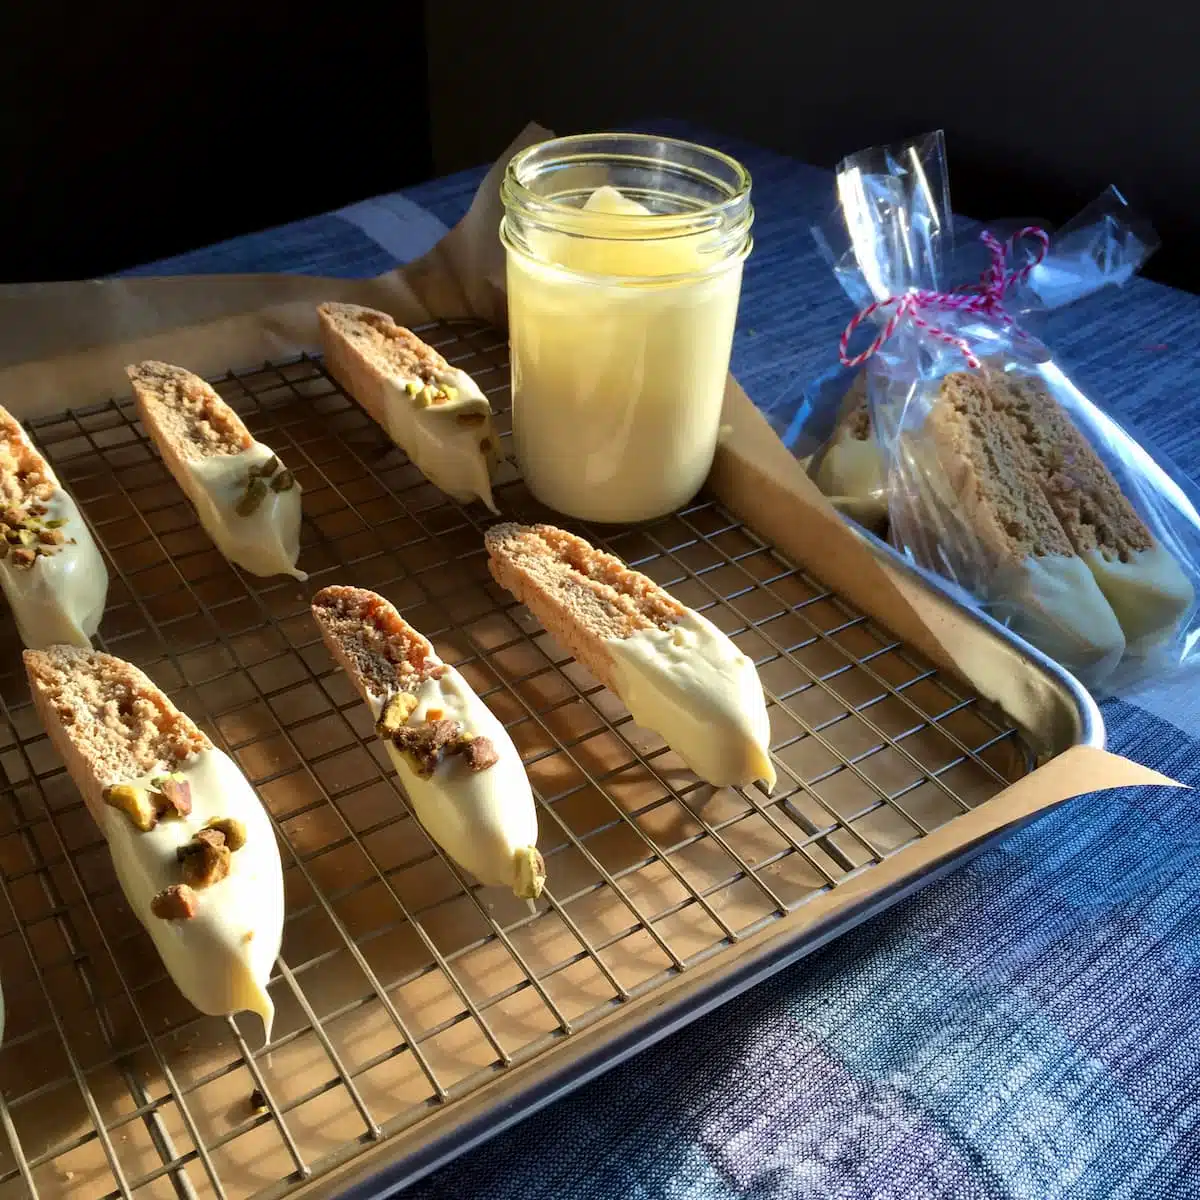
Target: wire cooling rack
[402,987]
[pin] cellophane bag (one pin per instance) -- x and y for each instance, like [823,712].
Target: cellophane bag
[951,429]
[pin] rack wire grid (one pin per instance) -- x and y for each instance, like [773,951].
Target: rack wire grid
[402,986]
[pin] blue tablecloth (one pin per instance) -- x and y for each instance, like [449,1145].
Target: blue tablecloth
[1030,1027]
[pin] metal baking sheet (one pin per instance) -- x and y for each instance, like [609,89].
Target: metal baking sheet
[417,1012]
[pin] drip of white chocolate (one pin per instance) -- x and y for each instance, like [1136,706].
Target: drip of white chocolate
[266,540]
[221,958]
[58,599]
[691,685]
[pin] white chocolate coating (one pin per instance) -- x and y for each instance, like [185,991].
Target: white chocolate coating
[221,958]
[691,685]
[446,450]
[1150,595]
[483,819]
[60,599]
[267,542]
[1060,610]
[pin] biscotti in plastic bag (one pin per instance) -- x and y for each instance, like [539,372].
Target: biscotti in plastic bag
[951,430]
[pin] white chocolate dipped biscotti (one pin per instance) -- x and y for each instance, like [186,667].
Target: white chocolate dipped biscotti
[989,493]
[193,848]
[675,671]
[433,411]
[51,571]
[458,766]
[1139,577]
[247,501]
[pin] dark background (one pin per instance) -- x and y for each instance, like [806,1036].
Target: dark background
[151,129]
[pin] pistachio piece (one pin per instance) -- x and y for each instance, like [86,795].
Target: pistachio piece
[56,522]
[175,903]
[396,711]
[51,537]
[252,497]
[451,393]
[471,418]
[412,387]
[172,795]
[27,537]
[134,802]
[22,557]
[205,859]
[269,467]
[479,753]
[233,831]
[13,535]
[283,482]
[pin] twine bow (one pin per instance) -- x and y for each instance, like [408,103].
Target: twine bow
[984,298]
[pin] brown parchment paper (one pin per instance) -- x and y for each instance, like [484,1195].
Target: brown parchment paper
[66,344]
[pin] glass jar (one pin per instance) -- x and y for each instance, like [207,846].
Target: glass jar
[625,257]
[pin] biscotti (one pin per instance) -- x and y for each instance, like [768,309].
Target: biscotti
[433,411]
[1141,580]
[193,848]
[850,468]
[51,571]
[675,671]
[247,501]
[455,760]
[983,500]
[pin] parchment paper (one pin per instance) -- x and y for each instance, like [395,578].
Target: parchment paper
[66,344]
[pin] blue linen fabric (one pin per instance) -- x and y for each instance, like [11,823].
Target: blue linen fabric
[1029,1026]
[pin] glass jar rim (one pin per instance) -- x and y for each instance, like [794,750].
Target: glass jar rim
[553,215]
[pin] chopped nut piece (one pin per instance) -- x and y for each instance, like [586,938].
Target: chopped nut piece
[56,523]
[12,517]
[27,537]
[424,397]
[232,829]
[424,744]
[22,557]
[412,387]
[479,754]
[176,903]
[51,537]
[283,482]
[252,497]
[13,535]
[269,467]
[472,418]
[205,859]
[434,714]
[134,802]
[396,711]
[258,1103]
[172,795]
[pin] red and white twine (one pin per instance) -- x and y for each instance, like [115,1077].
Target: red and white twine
[983,298]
